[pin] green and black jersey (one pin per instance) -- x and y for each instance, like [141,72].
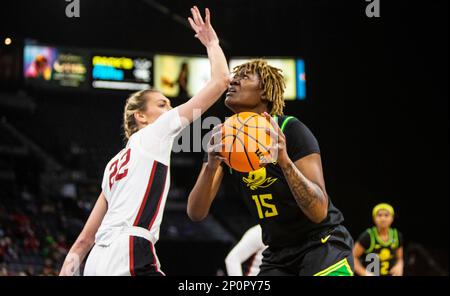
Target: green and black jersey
[269,198]
[385,250]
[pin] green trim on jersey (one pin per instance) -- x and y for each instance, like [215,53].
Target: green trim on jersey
[393,240]
[341,268]
[380,241]
[285,122]
[372,241]
[396,240]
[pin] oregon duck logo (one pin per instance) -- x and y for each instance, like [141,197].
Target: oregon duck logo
[257,179]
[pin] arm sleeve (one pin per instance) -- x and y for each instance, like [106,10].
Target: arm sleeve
[250,244]
[166,127]
[364,240]
[300,141]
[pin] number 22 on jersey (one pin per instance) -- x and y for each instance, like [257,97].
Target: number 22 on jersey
[117,169]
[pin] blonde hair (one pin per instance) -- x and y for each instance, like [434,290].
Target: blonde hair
[271,82]
[136,102]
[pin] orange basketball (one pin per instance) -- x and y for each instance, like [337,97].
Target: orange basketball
[246,141]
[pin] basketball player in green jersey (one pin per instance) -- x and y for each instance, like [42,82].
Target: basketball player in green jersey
[301,227]
[383,241]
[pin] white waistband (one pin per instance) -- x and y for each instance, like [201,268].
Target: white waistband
[107,237]
[140,232]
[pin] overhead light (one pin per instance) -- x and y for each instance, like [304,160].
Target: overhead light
[8,41]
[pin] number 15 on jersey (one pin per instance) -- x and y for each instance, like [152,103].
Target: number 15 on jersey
[270,210]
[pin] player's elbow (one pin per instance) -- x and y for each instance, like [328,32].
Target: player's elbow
[318,219]
[320,212]
[222,81]
[196,215]
[319,216]
[197,209]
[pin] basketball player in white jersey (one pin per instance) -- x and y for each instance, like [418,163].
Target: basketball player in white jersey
[250,247]
[124,224]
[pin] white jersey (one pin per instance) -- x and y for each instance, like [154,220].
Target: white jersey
[251,244]
[136,181]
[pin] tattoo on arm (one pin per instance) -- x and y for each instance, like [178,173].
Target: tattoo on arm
[307,194]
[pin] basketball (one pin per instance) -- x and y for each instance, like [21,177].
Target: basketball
[246,142]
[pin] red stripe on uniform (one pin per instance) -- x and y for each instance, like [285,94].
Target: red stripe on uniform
[144,201]
[131,257]
[155,262]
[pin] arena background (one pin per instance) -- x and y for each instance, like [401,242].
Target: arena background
[377,100]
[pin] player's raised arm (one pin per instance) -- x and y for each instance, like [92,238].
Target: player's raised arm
[218,83]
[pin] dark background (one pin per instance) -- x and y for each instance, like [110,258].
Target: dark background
[377,92]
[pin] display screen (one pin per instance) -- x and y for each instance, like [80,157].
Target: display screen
[289,71]
[54,66]
[301,80]
[175,76]
[121,72]
[180,76]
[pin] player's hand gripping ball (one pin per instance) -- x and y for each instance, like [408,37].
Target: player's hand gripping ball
[246,139]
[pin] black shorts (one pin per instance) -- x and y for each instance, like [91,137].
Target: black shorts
[143,260]
[326,254]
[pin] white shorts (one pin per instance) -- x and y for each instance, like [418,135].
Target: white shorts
[127,255]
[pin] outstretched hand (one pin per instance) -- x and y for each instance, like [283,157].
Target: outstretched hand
[203,29]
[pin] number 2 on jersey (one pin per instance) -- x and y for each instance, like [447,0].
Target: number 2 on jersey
[118,171]
[384,268]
